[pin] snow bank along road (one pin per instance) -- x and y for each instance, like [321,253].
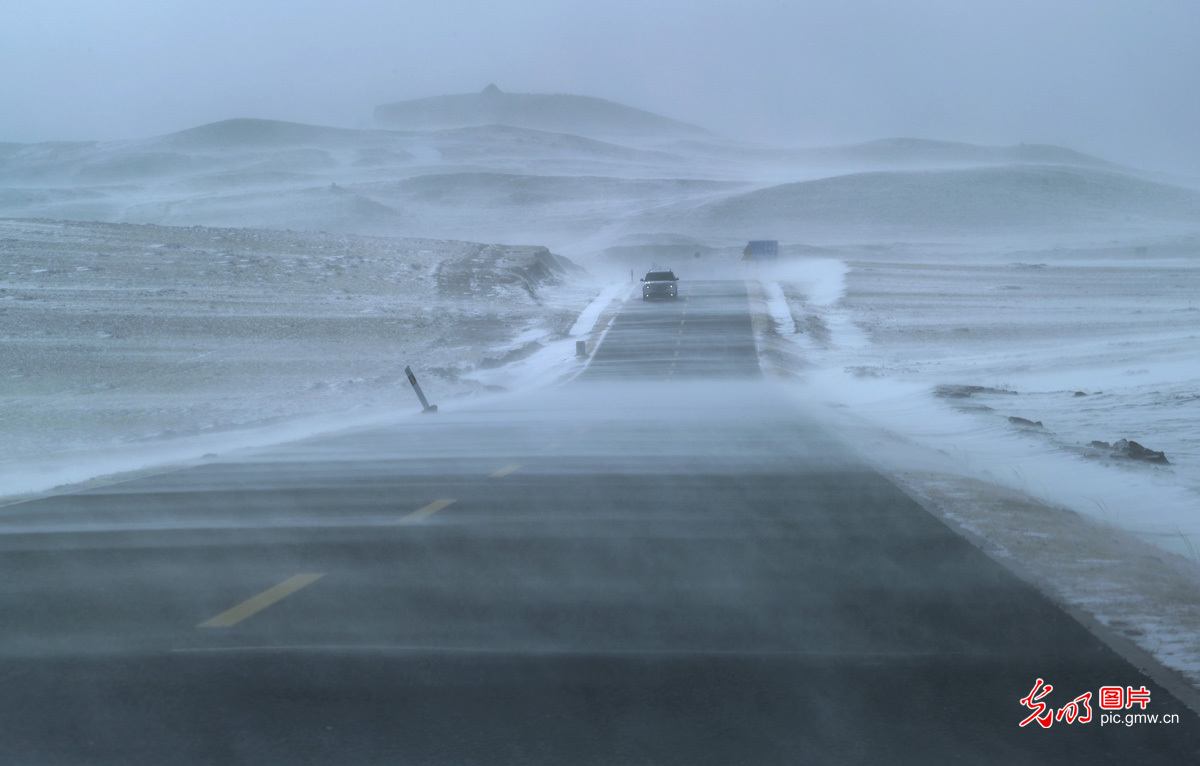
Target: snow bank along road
[660,562]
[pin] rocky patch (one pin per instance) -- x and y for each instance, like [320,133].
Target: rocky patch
[954,391]
[1025,423]
[1129,450]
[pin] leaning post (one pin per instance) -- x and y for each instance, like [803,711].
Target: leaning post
[428,408]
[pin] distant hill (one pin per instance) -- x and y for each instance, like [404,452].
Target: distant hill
[920,151]
[246,132]
[1008,199]
[559,113]
[890,153]
[231,153]
[496,182]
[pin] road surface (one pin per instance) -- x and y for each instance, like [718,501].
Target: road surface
[662,561]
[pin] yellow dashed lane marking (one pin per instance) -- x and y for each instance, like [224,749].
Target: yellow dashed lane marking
[505,471]
[427,511]
[256,604]
[676,352]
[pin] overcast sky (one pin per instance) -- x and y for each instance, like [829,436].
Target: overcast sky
[1116,78]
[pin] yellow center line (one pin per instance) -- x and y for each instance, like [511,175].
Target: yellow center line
[680,331]
[428,510]
[672,364]
[256,604]
[505,471]
[677,352]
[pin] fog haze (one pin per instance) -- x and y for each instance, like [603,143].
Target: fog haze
[1113,79]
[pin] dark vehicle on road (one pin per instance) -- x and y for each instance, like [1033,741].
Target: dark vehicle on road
[660,284]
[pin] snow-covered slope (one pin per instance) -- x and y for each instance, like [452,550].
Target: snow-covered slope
[262,146]
[884,154]
[123,340]
[485,183]
[506,183]
[1018,199]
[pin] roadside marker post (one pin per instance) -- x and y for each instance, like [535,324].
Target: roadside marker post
[581,348]
[428,408]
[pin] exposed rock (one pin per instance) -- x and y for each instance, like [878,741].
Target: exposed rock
[1080,393]
[1127,450]
[1135,451]
[953,391]
[1024,423]
[865,371]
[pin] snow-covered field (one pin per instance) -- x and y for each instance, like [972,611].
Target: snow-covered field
[127,346]
[1015,367]
[980,381]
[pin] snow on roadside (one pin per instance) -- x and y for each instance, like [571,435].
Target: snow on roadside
[883,355]
[1150,502]
[777,308]
[589,316]
[1096,534]
[555,359]
[127,346]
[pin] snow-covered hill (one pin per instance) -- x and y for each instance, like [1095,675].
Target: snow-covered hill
[1016,200]
[560,113]
[892,153]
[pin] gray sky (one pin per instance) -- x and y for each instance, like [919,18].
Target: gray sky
[1118,79]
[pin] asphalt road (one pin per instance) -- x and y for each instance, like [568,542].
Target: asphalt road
[663,561]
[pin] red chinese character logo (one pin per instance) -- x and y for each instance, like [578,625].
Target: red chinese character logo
[1112,698]
[1138,697]
[1040,713]
[1076,709]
